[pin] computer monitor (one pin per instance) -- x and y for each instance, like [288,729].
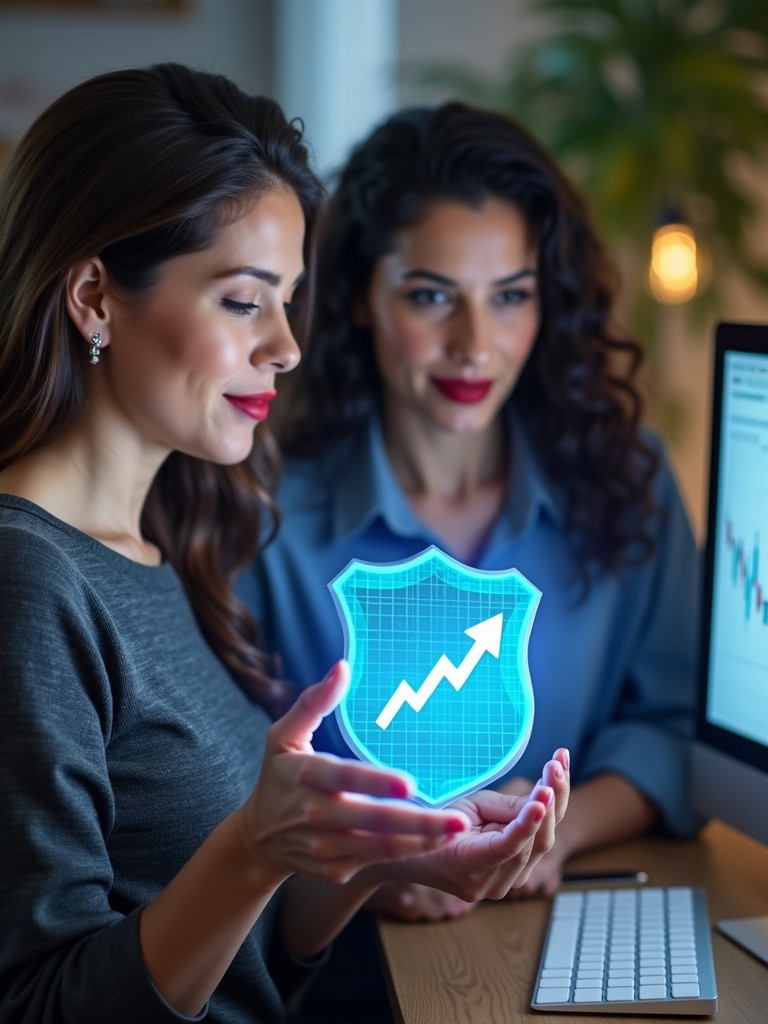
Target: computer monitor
[730,753]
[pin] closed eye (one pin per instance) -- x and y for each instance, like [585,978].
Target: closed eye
[239,308]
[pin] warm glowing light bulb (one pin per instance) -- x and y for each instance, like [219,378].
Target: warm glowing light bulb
[673,274]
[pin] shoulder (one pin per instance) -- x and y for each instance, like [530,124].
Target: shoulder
[664,484]
[671,529]
[50,584]
[48,619]
[32,548]
[60,575]
[655,441]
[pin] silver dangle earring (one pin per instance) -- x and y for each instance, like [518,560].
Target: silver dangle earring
[95,346]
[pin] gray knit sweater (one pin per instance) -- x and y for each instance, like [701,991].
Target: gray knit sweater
[123,742]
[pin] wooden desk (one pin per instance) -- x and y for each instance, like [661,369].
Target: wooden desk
[480,969]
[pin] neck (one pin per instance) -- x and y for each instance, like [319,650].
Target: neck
[448,466]
[95,487]
[455,484]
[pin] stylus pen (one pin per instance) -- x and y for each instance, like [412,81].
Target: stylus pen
[605,878]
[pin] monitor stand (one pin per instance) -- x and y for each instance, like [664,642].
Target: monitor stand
[749,932]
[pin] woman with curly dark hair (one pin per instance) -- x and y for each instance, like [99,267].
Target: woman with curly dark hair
[155,227]
[466,385]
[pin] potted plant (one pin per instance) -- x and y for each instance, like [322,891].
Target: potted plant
[657,108]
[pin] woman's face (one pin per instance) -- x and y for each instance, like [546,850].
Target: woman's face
[192,368]
[454,312]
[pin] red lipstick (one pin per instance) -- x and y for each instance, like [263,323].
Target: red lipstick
[467,392]
[256,407]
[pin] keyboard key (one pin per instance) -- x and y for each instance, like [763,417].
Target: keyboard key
[553,995]
[587,995]
[685,991]
[652,992]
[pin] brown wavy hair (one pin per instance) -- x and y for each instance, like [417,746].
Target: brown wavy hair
[137,167]
[578,394]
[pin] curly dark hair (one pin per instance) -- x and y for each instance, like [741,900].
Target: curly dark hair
[137,167]
[578,394]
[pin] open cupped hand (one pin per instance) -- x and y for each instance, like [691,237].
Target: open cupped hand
[326,816]
[507,837]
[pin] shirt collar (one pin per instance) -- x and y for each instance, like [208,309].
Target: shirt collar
[367,489]
[531,490]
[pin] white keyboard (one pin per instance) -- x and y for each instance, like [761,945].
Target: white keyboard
[645,950]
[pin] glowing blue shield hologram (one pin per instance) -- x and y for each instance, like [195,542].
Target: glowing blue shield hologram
[440,683]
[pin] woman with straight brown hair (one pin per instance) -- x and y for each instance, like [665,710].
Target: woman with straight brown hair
[155,229]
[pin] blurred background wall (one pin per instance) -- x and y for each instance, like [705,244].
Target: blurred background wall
[340,65]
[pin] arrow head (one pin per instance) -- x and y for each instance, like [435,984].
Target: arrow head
[488,634]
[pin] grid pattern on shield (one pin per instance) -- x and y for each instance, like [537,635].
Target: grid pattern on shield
[440,684]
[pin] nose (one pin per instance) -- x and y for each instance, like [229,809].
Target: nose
[470,335]
[279,348]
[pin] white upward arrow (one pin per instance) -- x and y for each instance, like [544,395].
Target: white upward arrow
[487,637]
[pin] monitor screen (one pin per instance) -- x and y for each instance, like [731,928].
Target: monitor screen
[729,767]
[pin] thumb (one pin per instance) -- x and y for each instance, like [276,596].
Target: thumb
[295,729]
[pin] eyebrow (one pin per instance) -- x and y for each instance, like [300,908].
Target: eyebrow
[261,275]
[442,279]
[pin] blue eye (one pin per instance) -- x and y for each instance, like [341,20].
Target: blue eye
[427,297]
[513,296]
[240,308]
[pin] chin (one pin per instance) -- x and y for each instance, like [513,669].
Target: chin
[229,455]
[466,423]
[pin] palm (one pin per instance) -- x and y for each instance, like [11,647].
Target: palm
[489,811]
[487,860]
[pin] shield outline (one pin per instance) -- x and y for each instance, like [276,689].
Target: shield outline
[336,586]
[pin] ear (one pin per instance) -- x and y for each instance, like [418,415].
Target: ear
[86,293]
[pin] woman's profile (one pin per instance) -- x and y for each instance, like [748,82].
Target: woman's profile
[172,849]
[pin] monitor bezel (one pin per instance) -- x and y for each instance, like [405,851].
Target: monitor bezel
[729,337]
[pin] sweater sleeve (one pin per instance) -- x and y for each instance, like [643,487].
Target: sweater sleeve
[67,954]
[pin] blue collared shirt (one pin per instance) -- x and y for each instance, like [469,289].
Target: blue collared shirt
[613,675]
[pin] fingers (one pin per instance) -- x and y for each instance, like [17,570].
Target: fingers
[545,836]
[329,851]
[357,812]
[343,780]
[337,774]
[511,841]
[347,833]
[490,862]
[543,880]
[413,902]
[554,788]
[522,843]
[557,775]
[294,730]
[333,835]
